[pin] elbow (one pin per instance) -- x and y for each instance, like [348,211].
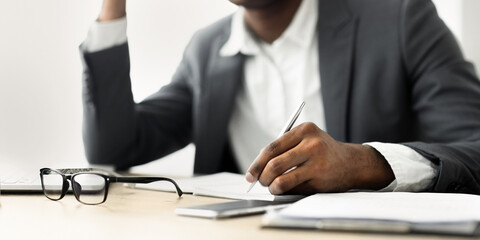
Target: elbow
[97,151]
[95,154]
[105,153]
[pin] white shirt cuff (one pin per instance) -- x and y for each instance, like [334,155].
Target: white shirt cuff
[412,171]
[103,35]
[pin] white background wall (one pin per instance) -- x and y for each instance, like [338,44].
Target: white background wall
[462,17]
[40,70]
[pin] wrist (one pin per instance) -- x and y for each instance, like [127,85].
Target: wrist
[370,169]
[112,9]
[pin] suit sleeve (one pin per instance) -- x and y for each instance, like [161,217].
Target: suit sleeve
[445,96]
[118,131]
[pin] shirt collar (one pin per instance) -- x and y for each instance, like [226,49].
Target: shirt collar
[300,31]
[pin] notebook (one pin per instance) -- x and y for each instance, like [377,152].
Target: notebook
[434,213]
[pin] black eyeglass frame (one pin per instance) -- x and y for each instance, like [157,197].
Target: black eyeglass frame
[108,180]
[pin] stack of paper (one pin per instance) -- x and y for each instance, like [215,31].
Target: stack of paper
[222,185]
[457,214]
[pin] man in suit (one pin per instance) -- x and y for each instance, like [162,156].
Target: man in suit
[391,103]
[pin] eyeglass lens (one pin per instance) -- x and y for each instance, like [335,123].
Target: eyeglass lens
[89,188]
[53,184]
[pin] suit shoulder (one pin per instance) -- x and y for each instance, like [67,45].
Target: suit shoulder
[375,7]
[383,7]
[213,34]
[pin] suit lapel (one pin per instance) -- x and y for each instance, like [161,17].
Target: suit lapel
[223,76]
[336,32]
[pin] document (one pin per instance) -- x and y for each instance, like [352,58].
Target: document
[222,185]
[457,214]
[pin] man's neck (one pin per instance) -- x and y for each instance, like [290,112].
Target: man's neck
[268,23]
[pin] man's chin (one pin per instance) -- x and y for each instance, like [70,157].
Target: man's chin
[252,4]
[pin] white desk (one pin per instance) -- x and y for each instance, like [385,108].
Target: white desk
[140,214]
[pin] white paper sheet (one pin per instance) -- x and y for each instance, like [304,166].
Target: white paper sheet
[223,185]
[408,207]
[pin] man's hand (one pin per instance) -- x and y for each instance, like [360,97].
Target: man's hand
[320,164]
[112,9]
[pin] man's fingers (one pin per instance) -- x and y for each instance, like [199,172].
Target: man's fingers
[289,181]
[305,188]
[282,163]
[277,147]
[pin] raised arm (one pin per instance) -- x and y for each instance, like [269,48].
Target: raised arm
[116,130]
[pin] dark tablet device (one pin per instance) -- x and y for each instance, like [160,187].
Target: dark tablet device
[230,209]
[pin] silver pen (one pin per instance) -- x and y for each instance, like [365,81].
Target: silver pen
[285,129]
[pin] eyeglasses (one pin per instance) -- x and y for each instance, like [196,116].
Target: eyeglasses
[89,186]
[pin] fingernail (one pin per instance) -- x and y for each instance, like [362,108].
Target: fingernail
[250,177]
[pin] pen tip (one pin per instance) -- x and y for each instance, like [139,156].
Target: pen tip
[251,186]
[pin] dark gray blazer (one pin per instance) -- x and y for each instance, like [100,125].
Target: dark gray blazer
[390,70]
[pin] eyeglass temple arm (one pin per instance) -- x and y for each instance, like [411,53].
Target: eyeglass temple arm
[146,180]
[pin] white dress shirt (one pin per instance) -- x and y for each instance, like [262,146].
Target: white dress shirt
[278,77]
